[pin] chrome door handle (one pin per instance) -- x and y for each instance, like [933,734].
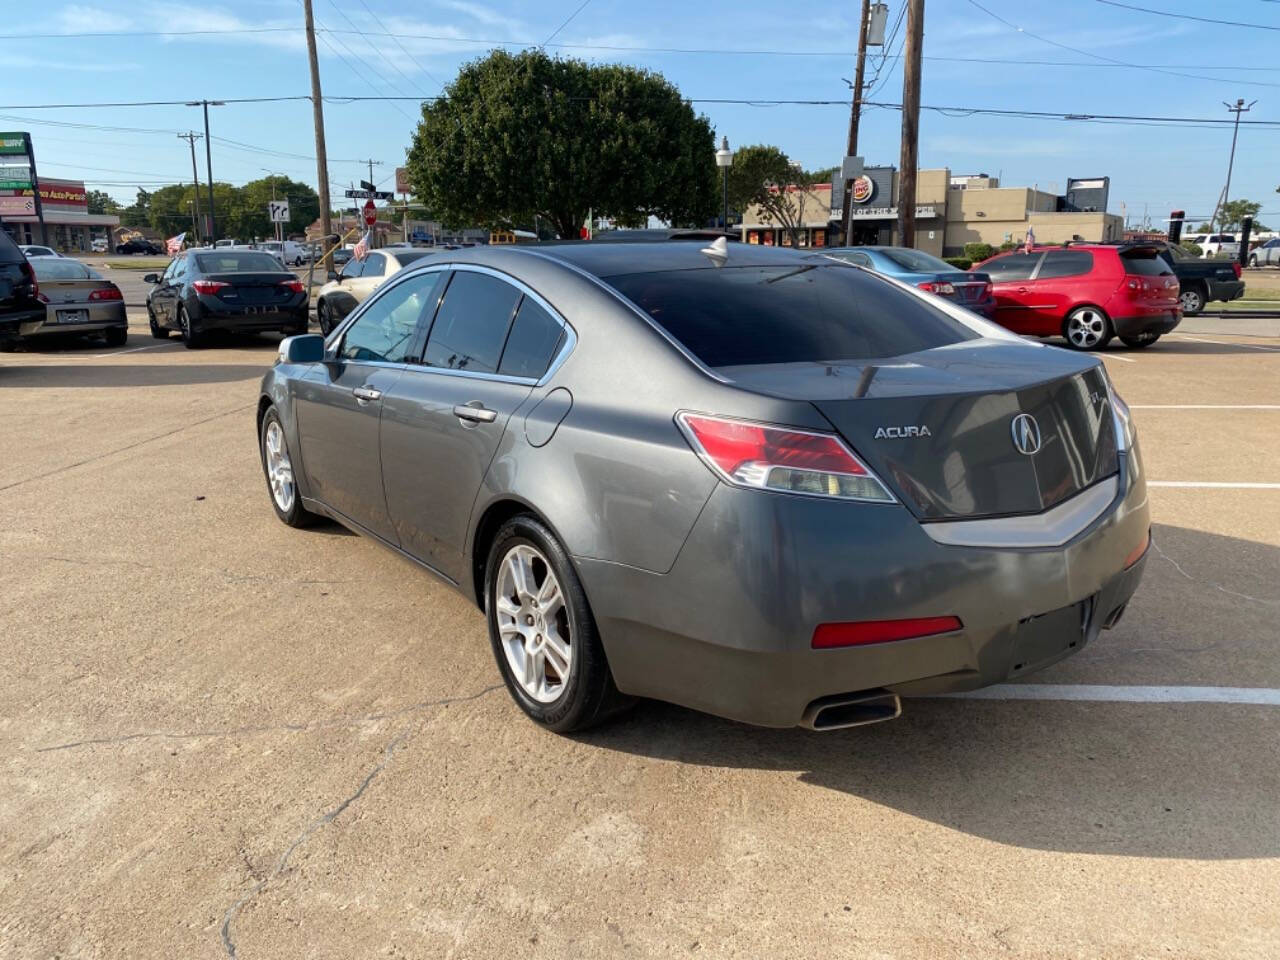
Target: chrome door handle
[364,395]
[475,411]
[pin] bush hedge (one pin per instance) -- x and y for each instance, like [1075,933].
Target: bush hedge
[960,263]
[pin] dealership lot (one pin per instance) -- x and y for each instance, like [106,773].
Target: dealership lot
[225,737]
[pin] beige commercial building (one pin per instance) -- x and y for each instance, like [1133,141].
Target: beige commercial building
[950,212]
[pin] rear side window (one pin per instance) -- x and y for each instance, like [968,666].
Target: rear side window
[471,324]
[1016,266]
[790,313]
[1065,263]
[1145,263]
[531,343]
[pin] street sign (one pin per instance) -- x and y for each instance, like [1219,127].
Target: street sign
[366,185]
[402,180]
[370,213]
[278,211]
[369,195]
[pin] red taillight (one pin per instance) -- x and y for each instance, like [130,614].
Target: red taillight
[940,287]
[1138,551]
[39,296]
[987,288]
[827,635]
[207,287]
[1235,265]
[294,286]
[106,293]
[779,458]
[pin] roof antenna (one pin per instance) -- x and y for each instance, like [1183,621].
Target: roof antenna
[718,251]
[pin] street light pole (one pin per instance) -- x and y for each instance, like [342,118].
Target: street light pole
[1238,109]
[724,160]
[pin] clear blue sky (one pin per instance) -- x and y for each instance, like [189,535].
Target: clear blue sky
[1153,166]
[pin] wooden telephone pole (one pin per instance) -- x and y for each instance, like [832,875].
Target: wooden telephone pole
[317,111]
[910,124]
[855,113]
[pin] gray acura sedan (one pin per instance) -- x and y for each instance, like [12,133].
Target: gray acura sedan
[759,483]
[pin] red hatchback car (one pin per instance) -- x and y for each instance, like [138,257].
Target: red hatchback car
[1087,293]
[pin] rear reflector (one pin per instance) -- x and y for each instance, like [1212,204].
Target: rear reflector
[828,635]
[766,457]
[1139,550]
[208,286]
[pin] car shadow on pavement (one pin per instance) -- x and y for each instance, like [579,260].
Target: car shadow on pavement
[1167,346]
[1179,780]
[126,375]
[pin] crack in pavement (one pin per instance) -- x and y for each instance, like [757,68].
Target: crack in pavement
[282,864]
[269,728]
[1209,583]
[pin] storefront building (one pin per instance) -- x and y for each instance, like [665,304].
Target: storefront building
[69,225]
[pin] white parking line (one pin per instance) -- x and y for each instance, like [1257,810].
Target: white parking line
[1231,343]
[1204,406]
[116,353]
[1213,485]
[1264,696]
[1111,356]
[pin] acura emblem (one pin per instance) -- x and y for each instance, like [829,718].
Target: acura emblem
[1026,434]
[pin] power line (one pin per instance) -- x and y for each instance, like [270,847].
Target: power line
[389,85]
[569,20]
[1187,16]
[378,21]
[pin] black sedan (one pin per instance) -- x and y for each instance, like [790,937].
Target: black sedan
[234,290]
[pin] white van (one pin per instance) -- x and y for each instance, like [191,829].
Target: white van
[288,252]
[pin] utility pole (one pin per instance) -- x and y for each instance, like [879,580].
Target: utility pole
[35,188]
[208,161]
[1237,109]
[910,123]
[855,114]
[317,111]
[191,137]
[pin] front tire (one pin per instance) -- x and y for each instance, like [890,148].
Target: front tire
[157,331]
[277,466]
[1192,299]
[543,635]
[324,319]
[1087,328]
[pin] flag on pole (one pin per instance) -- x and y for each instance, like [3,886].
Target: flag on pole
[361,249]
[1031,240]
[174,244]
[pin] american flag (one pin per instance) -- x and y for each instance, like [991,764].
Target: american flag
[361,249]
[174,244]
[1031,240]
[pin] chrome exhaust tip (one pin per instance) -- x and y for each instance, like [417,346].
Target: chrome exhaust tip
[851,710]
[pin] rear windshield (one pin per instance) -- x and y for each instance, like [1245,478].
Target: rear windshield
[735,316]
[49,268]
[1145,263]
[918,262]
[237,262]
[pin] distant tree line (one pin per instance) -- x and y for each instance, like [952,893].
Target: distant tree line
[241,211]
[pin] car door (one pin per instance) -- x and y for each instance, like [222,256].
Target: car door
[168,292]
[1271,251]
[1058,285]
[345,298]
[443,420]
[1010,284]
[339,403]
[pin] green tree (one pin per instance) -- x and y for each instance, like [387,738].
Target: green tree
[760,176]
[1233,212]
[168,212]
[251,218]
[524,135]
[136,214]
[100,202]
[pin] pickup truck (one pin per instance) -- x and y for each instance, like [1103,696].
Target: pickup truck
[1201,281]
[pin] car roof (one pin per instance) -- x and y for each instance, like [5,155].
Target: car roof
[614,259]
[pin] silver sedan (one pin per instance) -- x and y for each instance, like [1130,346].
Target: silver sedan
[79,301]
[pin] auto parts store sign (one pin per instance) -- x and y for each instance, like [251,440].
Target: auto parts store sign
[13,143]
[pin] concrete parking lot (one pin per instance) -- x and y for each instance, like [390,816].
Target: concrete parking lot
[223,737]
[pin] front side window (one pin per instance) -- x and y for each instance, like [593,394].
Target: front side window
[1065,263]
[179,268]
[531,343]
[352,268]
[374,265]
[1014,266]
[386,330]
[471,324]
[797,313]
[169,271]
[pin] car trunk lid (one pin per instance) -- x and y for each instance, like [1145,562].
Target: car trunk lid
[58,292]
[942,427]
[253,289]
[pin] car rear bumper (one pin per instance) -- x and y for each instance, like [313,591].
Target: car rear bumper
[1156,321]
[1226,289]
[99,317]
[219,316]
[728,630]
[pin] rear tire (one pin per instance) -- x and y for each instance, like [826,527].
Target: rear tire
[1192,299]
[1087,328]
[191,339]
[1138,343]
[555,696]
[116,336]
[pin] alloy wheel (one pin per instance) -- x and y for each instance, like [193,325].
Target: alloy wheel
[279,467]
[533,623]
[1192,302]
[1086,328]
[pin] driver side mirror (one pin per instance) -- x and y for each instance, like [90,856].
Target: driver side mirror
[151,278]
[304,348]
